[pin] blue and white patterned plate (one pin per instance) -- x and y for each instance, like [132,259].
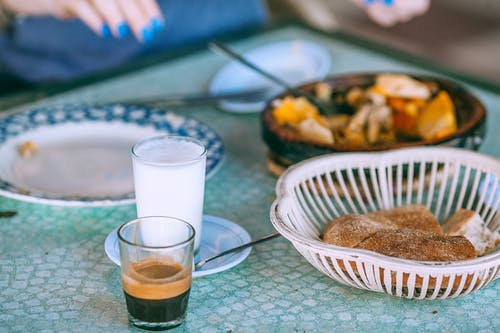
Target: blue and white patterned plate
[83,155]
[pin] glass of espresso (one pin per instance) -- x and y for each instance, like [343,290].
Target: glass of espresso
[156,275]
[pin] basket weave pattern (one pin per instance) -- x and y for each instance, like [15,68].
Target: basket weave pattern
[313,192]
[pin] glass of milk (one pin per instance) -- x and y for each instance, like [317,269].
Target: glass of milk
[169,178]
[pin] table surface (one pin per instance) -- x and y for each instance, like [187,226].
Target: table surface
[55,276]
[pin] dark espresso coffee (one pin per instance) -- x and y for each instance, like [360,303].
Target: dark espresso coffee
[156,292]
[157,311]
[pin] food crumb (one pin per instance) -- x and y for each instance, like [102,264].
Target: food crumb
[8,213]
[323,91]
[434,312]
[27,149]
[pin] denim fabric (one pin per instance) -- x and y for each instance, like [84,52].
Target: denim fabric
[41,49]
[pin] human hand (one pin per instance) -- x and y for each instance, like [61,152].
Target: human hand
[389,12]
[104,17]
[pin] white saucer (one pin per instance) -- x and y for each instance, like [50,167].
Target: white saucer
[218,235]
[295,62]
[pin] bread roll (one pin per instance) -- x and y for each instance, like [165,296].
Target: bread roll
[418,245]
[350,230]
[413,217]
[408,232]
[469,224]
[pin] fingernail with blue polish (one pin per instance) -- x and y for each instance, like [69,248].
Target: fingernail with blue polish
[147,34]
[388,2]
[105,30]
[123,29]
[157,24]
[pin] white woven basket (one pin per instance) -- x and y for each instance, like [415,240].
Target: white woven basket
[313,192]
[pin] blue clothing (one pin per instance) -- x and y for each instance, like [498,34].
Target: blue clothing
[41,49]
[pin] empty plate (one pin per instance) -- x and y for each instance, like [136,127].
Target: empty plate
[218,234]
[295,62]
[83,151]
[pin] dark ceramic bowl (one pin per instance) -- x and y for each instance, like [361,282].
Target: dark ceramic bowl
[286,147]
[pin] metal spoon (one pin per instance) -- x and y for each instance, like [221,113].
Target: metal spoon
[202,262]
[219,47]
[200,98]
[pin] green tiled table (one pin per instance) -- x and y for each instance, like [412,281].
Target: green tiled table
[55,276]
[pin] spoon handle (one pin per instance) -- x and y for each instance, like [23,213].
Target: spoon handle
[237,248]
[192,99]
[220,47]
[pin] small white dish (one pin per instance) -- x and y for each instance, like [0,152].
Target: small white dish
[295,62]
[83,156]
[218,234]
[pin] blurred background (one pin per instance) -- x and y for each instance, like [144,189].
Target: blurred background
[461,34]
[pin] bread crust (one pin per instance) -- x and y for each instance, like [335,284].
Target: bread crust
[457,221]
[408,232]
[350,230]
[413,217]
[417,245]
[469,224]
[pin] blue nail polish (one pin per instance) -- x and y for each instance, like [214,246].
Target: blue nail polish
[123,29]
[105,30]
[147,34]
[157,24]
[388,3]
[369,2]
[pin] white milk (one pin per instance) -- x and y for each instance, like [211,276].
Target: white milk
[169,177]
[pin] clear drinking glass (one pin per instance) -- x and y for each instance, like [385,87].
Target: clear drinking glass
[156,279]
[169,178]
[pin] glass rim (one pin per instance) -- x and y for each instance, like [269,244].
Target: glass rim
[136,156]
[173,246]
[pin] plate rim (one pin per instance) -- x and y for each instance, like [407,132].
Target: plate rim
[111,240]
[253,107]
[7,188]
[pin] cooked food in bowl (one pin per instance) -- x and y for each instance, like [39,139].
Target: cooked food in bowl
[396,108]
[372,112]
